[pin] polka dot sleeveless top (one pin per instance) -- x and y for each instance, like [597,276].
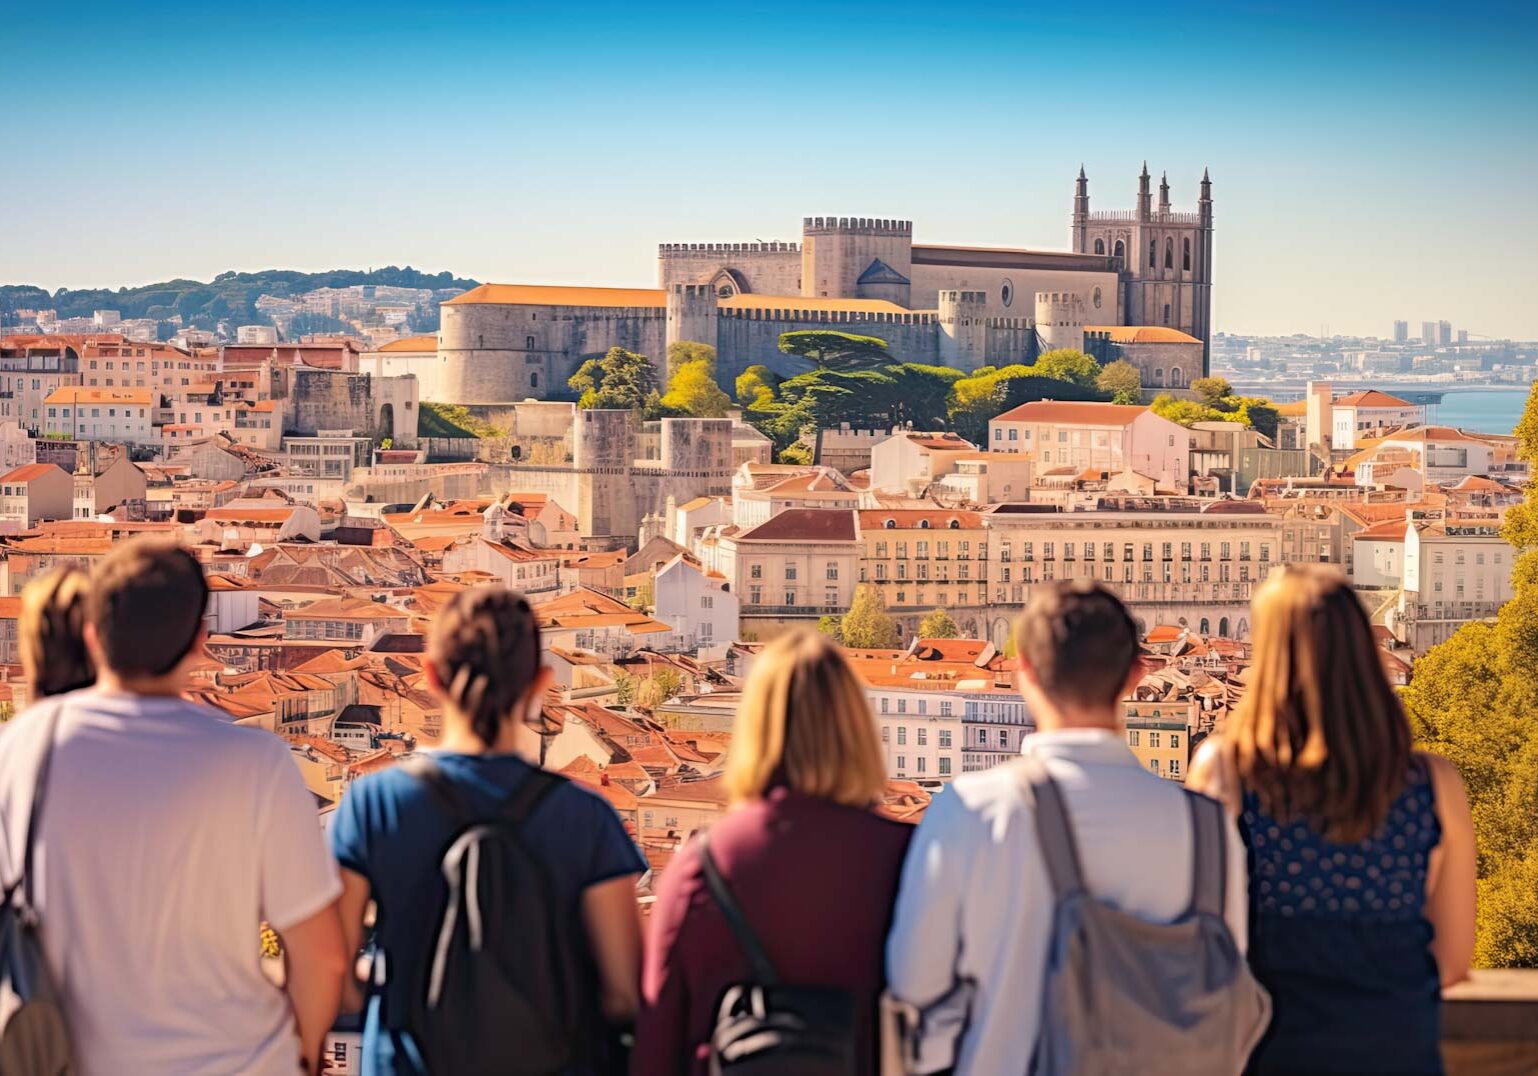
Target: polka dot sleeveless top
[1381,879]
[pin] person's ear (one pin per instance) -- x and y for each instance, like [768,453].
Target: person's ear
[1134,676]
[535,699]
[93,644]
[1025,676]
[434,681]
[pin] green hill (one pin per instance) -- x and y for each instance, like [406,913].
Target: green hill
[228,297]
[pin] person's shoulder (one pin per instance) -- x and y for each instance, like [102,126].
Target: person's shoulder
[21,737]
[977,797]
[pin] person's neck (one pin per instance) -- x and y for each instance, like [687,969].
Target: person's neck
[460,739]
[1058,717]
[168,686]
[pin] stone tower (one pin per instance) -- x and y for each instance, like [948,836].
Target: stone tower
[857,258]
[963,329]
[603,449]
[1166,256]
[1060,319]
[691,314]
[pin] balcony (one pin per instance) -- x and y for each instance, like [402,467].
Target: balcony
[1490,1024]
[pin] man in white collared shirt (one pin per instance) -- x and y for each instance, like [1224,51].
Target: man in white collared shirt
[975,901]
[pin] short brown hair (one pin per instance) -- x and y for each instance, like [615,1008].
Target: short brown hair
[484,647]
[51,633]
[1079,641]
[147,603]
[804,722]
[1319,735]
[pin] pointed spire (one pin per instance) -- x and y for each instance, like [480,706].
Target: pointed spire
[1145,171]
[1204,175]
[1081,171]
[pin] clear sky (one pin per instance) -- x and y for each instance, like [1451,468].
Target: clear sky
[1369,161]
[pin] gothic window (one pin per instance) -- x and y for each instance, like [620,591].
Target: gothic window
[534,381]
[1153,254]
[1175,377]
[1169,253]
[1159,375]
[1186,257]
[1120,249]
[1100,246]
[1166,313]
[528,343]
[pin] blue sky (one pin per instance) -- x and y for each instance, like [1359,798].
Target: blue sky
[1367,164]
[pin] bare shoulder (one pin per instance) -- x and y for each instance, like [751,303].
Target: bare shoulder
[1446,781]
[1207,763]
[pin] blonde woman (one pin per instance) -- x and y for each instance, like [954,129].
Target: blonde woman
[812,865]
[1361,850]
[51,633]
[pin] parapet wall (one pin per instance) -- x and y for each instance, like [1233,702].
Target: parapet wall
[858,225]
[685,250]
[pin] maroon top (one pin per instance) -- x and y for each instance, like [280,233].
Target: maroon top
[816,881]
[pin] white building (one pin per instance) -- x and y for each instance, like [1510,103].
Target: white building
[122,416]
[1096,436]
[1440,455]
[696,603]
[1455,571]
[907,462]
[35,492]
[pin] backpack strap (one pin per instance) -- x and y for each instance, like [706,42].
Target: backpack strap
[758,960]
[1209,855]
[23,883]
[426,770]
[1054,831]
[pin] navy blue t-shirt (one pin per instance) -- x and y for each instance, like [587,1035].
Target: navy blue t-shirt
[391,829]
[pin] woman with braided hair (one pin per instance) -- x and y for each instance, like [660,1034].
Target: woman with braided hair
[392,829]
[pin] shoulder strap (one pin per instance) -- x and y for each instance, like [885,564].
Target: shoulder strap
[1054,831]
[529,794]
[758,960]
[1209,855]
[425,770]
[23,882]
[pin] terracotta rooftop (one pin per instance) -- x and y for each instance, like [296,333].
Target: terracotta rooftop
[806,525]
[29,472]
[1371,398]
[754,301]
[1142,334]
[1073,413]
[429,342]
[914,519]
[559,295]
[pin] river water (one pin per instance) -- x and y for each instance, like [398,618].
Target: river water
[1480,412]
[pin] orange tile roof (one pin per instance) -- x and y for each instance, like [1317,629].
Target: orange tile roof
[560,295]
[428,342]
[1142,334]
[754,301]
[69,394]
[1074,413]
[911,518]
[10,607]
[1371,398]
[29,472]
[250,515]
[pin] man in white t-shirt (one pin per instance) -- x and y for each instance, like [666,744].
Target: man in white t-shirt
[975,904]
[166,836]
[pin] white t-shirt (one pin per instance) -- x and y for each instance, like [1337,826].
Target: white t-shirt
[167,835]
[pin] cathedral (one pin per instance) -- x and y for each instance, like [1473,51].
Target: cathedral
[1136,285]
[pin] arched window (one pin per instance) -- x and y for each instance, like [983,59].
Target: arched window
[1206,628]
[534,380]
[1166,313]
[1186,257]
[1175,377]
[1223,627]
[1169,253]
[890,524]
[1153,254]
[1158,375]
[1120,249]
[528,343]
[923,524]
[1100,246]
[955,524]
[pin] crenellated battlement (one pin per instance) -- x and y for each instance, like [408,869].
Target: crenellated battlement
[856,225]
[681,250]
[792,315]
[963,298]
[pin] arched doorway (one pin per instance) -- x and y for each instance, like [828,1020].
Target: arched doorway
[1206,628]
[386,427]
[1223,627]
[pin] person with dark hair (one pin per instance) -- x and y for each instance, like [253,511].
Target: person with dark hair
[164,836]
[1361,850]
[392,830]
[51,633]
[974,923]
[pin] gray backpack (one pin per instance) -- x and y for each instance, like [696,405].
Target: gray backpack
[33,1039]
[1124,995]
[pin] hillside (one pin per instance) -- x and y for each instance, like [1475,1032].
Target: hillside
[228,297]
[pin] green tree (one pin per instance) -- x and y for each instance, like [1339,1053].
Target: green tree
[867,625]
[686,351]
[755,386]
[832,626]
[835,350]
[644,598]
[938,625]
[1122,381]
[692,389]
[1212,389]
[1471,700]
[1068,364]
[798,452]
[619,379]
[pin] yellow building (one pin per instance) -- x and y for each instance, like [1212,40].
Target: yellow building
[926,559]
[1159,734]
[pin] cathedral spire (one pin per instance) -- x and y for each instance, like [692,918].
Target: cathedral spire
[1164,192]
[1143,197]
[1081,211]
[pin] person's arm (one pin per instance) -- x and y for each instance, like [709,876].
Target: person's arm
[1450,894]
[614,930]
[352,907]
[925,940]
[1212,774]
[316,965]
[662,1032]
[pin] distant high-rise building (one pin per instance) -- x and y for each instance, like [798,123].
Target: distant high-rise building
[1429,333]
[1401,331]
[1444,334]
[1463,336]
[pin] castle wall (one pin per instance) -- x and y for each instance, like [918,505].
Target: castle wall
[930,280]
[328,400]
[766,268]
[748,337]
[497,353]
[835,251]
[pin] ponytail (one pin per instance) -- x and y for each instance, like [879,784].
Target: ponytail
[485,649]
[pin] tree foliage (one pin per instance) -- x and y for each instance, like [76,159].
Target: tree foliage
[1253,411]
[938,625]
[867,625]
[836,350]
[1472,701]
[687,351]
[1210,390]
[1068,364]
[1122,381]
[619,379]
[989,391]
[832,626]
[692,390]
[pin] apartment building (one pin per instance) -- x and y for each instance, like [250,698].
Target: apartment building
[907,462]
[921,560]
[122,416]
[801,565]
[34,492]
[1455,571]
[1096,436]
[1435,455]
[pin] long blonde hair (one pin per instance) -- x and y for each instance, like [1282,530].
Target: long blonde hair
[1319,734]
[51,633]
[805,723]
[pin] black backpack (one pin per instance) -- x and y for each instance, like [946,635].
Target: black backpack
[505,985]
[766,1028]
